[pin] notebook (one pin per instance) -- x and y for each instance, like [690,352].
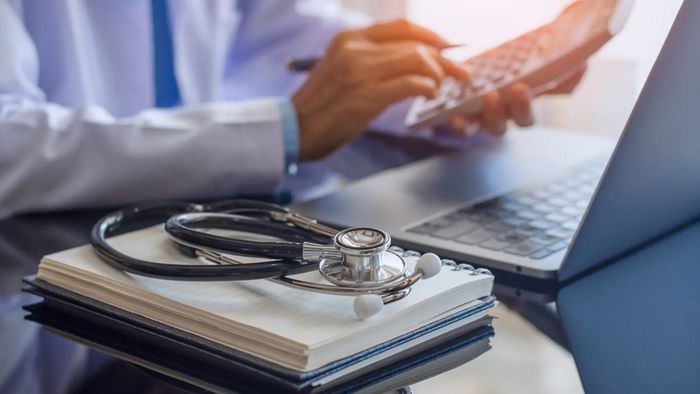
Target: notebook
[295,329]
[204,364]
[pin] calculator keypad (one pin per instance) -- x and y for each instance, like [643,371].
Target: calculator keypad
[489,71]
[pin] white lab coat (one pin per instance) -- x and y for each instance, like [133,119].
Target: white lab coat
[77,128]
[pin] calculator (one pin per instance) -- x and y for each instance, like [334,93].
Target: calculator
[541,58]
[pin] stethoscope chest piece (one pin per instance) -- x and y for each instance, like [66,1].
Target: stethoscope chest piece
[393,267]
[365,260]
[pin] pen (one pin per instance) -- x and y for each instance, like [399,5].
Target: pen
[306,64]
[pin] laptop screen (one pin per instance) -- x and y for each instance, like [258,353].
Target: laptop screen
[652,183]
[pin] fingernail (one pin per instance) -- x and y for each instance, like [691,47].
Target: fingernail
[448,45]
[502,128]
[471,129]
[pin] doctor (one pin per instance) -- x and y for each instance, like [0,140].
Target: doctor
[112,102]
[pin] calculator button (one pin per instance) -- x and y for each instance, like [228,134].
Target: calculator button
[432,105]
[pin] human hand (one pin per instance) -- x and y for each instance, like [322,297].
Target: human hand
[363,72]
[514,103]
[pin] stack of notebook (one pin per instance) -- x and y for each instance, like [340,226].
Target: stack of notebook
[259,336]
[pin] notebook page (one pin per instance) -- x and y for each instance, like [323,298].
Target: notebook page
[310,319]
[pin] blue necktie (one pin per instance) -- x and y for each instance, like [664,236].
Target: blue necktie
[167,93]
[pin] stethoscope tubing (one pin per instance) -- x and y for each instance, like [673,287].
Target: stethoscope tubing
[112,222]
[185,228]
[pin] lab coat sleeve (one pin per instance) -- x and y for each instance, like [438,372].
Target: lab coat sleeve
[52,157]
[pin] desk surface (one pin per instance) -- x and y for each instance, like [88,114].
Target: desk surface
[630,324]
[531,360]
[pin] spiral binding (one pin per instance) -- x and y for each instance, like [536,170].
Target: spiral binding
[445,262]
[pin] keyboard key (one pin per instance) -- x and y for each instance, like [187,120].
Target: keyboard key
[541,194]
[571,196]
[440,222]
[528,230]
[456,229]
[557,202]
[570,225]
[543,208]
[544,253]
[515,221]
[557,188]
[475,237]
[498,77]
[571,211]
[498,227]
[558,246]
[499,213]
[494,244]
[512,237]
[455,216]
[557,217]
[542,224]
[478,83]
[479,217]
[524,248]
[422,229]
[545,239]
[512,206]
[529,215]
[522,199]
[560,233]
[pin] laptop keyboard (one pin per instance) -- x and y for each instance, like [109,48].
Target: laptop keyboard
[534,223]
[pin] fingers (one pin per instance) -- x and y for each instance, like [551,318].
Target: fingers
[570,84]
[494,116]
[497,108]
[464,126]
[409,60]
[403,30]
[519,105]
[458,123]
[415,58]
[403,87]
[453,69]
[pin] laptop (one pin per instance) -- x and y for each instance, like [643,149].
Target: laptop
[550,205]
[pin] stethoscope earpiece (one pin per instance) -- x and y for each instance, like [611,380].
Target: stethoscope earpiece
[367,305]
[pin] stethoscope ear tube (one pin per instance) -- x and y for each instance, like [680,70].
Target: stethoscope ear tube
[112,222]
[186,229]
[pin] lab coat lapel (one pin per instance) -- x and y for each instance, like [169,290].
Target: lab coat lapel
[202,32]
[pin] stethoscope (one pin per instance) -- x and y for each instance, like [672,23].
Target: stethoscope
[355,262]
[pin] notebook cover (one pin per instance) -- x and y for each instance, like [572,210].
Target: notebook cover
[205,369]
[183,364]
[74,304]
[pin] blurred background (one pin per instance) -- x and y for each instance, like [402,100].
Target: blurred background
[620,69]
